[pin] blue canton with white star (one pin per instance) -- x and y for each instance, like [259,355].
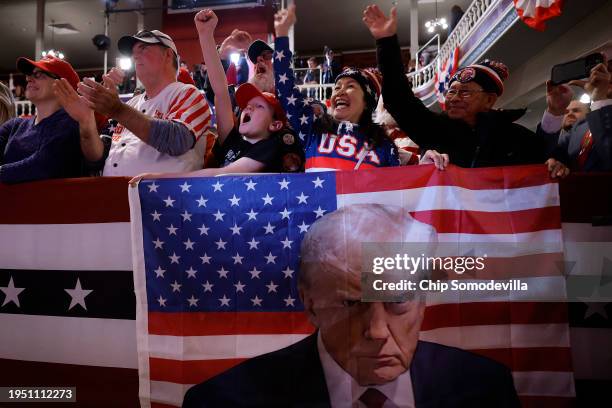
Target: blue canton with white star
[229,243]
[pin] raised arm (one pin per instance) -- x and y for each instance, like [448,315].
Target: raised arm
[411,115]
[295,105]
[206,22]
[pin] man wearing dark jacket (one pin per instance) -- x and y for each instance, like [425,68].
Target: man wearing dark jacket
[580,138]
[364,353]
[471,132]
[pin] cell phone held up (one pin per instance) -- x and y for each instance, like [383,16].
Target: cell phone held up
[576,69]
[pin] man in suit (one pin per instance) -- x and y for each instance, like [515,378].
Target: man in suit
[363,353]
[577,137]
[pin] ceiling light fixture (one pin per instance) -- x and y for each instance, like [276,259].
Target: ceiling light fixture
[432,25]
[53,52]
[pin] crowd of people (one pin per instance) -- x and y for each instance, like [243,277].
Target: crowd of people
[372,118]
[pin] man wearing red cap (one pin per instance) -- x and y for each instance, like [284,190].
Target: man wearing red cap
[46,145]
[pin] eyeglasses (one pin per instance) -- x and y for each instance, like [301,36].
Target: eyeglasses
[41,74]
[462,93]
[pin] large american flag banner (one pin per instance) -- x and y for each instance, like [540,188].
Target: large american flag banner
[216,260]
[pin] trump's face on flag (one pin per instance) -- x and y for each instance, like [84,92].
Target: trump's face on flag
[372,341]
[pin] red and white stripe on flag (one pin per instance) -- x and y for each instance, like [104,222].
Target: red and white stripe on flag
[534,13]
[490,205]
[446,72]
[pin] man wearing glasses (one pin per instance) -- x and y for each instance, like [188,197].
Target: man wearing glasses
[471,132]
[45,145]
[159,130]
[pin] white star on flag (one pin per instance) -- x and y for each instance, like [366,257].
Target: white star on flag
[288,272]
[225,301]
[193,301]
[267,199]
[302,198]
[203,230]
[271,287]
[217,186]
[269,228]
[235,229]
[205,259]
[78,295]
[287,243]
[254,273]
[319,212]
[223,273]
[220,244]
[285,213]
[169,202]
[202,201]
[239,287]
[253,244]
[291,100]
[153,187]
[176,287]
[256,301]
[282,78]
[11,293]
[171,229]
[234,200]
[161,301]
[303,227]
[159,272]
[158,244]
[270,258]
[185,187]
[237,258]
[191,273]
[250,185]
[174,258]
[252,215]
[284,184]
[303,119]
[289,301]
[280,55]
[188,244]
[186,216]
[156,215]
[219,215]
[318,182]
[208,286]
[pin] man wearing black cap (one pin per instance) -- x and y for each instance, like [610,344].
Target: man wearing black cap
[471,132]
[260,55]
[160,130]
[45,145]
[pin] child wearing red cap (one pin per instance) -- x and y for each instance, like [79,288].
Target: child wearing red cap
[254,145]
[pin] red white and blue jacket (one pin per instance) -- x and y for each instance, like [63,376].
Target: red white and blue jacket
[342,150]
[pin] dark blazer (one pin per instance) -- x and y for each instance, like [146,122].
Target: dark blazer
[494,141]
[565,145]
[293,377]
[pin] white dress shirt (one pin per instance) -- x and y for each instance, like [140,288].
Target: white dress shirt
[344,391]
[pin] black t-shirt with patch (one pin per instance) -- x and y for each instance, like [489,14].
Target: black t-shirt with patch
[267,151]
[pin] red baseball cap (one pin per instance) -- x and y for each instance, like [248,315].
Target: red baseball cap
[52,65]
[247,91]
